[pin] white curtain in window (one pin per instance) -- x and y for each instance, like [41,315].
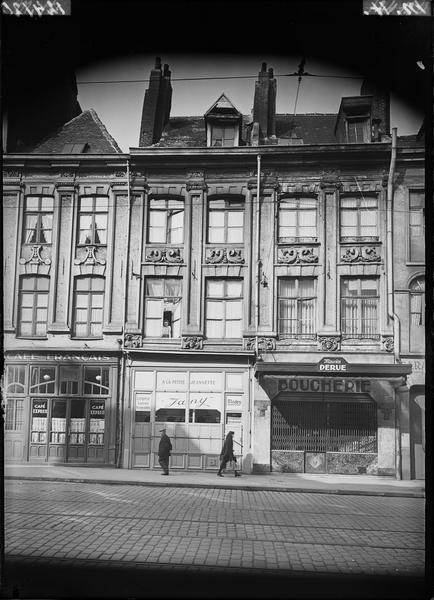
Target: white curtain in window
[416,309]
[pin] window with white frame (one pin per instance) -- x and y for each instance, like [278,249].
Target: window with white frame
[166,221]
[92,220]
[416,226]
[15,379]
[224,308]
[359,307]
[33,306]
[297,219]
[223,135]
[163,307]
[38,219]
[225,221]
[297,307]
[358,217]
[14,417]
[417,315]
[88,306]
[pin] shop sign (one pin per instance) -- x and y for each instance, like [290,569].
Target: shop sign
[60,357]
[39,408]
[172,381]
[324,384]
[336,364]
[143,402]
[234,402]
[204,382]
[205,400]
[170,400]
[97,409]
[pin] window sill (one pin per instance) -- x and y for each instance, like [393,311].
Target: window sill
[415,263]
[32,337]
[312,241]
[86,339]
[360,240]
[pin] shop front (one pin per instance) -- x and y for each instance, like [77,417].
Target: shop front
[332,417]
[60,408]
[197,405]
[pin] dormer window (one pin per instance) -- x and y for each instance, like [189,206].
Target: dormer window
[223,122]
[353,124]
[357,130]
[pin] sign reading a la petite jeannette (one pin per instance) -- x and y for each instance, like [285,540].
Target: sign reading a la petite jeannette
[335,364]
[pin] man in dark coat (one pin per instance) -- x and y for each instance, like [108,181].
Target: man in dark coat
[164,449]
[227,454]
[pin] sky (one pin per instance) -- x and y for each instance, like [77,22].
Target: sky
[316,94]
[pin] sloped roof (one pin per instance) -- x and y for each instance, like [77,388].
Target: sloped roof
[222,104]
[84,129]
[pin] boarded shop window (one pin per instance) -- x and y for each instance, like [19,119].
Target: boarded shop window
[225,221]
[163,307]
[92,221]
[358,217]
[15,379]
[417,226]
[359,307]
[417,315]
[38,219]
[14,418]
[42,380]
[96,380]
[297,307]
[224,308]
[88,306]
[297,219]
[33,306]
[166,221]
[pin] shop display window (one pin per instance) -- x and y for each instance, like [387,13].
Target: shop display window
[42,380]
[39,421]
[142,416]
[170,415]
[200,415]
[96,422]
[96,381]
[58,422]
[69,378]
[14,418]
[233,417]
[77,423]
[15,379]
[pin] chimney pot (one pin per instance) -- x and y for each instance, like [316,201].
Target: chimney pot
[157,63]
[264,66]
[271,72]
[166,70]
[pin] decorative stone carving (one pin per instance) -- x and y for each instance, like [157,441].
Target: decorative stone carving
[35,257]
[69,174]
[89,257]
[292,256]
[192,342]
[361,254]
[224,255]
[386,409]
[11,174]
[329,343]
[120,174]
[269,179]
[196,181]
[164,255]
[330,179]
[264,343]
[133,340]
[388,344]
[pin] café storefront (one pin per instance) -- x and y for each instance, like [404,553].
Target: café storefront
[60,407]
[332,417]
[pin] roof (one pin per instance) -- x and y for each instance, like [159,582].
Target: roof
[85,133]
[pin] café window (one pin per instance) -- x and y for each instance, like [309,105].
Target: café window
[88,306]
[417,315]
[416,226]
[14,417]
[38,219]
[224,310]
[166,221]
[96,422]
[96,381]
[92,221]
[77,422]
[69,378]
[297,307]
[225,221]
[42,380]
[297,220]
[33,306]
[38,430]
[358,217]
[58,422]
[15,379]
[359,307]
[163,307]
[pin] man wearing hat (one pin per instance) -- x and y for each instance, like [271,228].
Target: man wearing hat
[164,449]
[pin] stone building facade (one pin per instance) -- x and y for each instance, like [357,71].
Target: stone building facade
[253,279]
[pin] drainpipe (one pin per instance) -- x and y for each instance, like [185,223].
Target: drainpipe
[390,298]
[121,401]
[258,187]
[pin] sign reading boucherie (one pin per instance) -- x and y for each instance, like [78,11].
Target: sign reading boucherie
[324,384]
[336,364]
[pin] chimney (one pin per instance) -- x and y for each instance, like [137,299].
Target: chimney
[380,113]
[264,106]
[156,105]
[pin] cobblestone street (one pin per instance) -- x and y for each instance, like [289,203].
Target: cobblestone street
[272,533]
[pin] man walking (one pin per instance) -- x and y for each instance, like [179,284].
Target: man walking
[227,454]
[164,448]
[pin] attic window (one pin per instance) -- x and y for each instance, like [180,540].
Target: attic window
[357,130]
[222,135]
[75,148]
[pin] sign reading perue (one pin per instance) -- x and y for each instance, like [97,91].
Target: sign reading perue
[336,364]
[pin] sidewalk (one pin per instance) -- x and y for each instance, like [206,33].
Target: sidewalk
[365,485]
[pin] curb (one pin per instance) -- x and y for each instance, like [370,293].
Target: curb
[245,488]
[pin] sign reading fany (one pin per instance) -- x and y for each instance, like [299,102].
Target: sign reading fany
[335,364]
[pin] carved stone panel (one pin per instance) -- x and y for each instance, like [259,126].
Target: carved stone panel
[35,257]
[133,340]
[360,254]
[89,255]
[224,255]
[329,343]
[264,343]
[192,342]
[164,255]
[291,256]
[388,343]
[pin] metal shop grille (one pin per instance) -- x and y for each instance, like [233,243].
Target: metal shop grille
[324,426]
